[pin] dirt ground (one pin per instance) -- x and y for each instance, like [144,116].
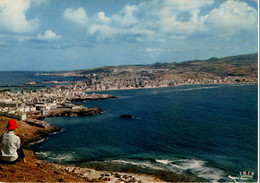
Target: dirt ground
[34,170]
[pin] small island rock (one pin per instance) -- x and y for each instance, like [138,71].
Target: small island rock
[127,116]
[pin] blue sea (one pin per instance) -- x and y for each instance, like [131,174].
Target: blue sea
[207,130]
[210,131]
[22,77]
[16,80]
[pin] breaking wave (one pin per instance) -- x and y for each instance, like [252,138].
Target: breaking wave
[140,164]
[186,89]
[197,167]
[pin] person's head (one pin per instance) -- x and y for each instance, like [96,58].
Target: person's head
[11,125]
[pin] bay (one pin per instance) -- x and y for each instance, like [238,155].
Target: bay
[208,130]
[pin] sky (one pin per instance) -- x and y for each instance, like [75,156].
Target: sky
[61,35]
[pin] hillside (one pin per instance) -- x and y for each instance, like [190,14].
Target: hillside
[241,68]
[233,69]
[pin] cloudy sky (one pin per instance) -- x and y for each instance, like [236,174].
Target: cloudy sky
[49,35]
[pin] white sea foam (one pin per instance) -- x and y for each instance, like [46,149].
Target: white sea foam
[199,168]
[169,163]
[62,157]
[158,92]
[43,154]
[62,130]
[199,88]
[163,161]
[185,89]
[140,164]
[125,97]
[37,142]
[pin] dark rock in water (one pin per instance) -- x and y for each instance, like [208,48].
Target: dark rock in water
[127,116]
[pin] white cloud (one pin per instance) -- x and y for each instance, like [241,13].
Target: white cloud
[233,16]
[170,11]
[153,52]
[48,36]
[154,49]
[101,17]
[12,16]
[126,17]
[186,5]
[150,20]
[7,39]
[118,24]
[163,19]
[22,38]
[78,16]
[104,31]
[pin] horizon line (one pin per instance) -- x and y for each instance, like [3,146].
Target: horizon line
[126,65]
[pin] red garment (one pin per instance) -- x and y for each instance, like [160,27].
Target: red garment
[11,124]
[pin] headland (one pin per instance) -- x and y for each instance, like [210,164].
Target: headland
[29,108]
[40,171]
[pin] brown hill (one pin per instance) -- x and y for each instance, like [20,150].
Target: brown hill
[34,170]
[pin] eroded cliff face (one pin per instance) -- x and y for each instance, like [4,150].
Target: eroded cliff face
[28,133]
[34,170]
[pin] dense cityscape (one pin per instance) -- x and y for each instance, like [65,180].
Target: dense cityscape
[20,105]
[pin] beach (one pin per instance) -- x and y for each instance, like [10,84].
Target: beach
[35,170]
[194,168]
[39,171]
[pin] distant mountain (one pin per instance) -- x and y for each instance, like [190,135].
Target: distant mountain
[233,65]
[233,69]
[241,68]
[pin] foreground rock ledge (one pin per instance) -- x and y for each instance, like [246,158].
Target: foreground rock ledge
[34,170]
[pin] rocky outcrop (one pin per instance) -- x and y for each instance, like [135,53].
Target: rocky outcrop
[34,117]
[96,97]
[38,123]
[74,112]
[127,116]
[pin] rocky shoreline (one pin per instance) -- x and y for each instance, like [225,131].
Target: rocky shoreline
[63,112]
[35,130]
[91,98]
[39,171]
[34,170]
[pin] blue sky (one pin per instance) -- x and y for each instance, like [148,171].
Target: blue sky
[52,35]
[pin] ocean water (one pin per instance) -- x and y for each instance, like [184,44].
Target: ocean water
[22,77]
[208,130]
[15,80]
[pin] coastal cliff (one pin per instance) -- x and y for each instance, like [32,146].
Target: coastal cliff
[34,170]
[64,112]
[39,171]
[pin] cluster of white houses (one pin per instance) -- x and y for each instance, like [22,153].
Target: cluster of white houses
[17,105]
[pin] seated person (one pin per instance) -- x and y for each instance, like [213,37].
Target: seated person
[10,150]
